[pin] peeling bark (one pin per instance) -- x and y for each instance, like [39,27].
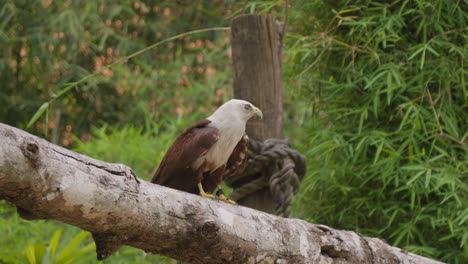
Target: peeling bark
[46,181]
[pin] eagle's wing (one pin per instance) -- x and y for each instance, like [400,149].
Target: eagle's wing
[175,168]
[237,161]
[234,165]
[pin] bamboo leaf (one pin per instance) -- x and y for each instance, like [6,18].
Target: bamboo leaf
[423,58]
[54,241]
[377,154]
[38,114]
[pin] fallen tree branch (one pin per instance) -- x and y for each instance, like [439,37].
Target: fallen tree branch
[46,181]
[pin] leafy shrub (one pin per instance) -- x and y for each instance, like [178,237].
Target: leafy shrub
[51,253]
[47,44]
[387,120]
[52,242]
[30,241]
[138,148]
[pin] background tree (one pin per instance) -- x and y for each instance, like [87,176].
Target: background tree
[385,120]
[48,44]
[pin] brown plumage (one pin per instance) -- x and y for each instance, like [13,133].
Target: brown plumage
[209,151]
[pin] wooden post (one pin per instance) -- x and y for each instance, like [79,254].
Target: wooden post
[257,78]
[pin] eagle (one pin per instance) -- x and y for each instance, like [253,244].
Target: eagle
[209,151]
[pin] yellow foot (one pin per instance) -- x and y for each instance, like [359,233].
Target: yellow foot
[207,195]
[203,193]
[225,199]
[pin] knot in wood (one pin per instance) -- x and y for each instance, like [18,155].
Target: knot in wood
[30,150]
[209,230]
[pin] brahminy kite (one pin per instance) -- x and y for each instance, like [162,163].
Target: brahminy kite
[209,151]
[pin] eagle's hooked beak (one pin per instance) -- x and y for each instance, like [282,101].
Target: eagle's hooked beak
[257,112]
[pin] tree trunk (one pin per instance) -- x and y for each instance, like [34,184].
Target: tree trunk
[257,77]
[46,181]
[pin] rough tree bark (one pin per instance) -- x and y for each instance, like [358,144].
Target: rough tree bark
[46,181]
[256,63]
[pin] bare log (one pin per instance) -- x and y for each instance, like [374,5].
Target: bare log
[46,181]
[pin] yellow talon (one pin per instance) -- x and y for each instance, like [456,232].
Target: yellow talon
[203,193]
[225,199]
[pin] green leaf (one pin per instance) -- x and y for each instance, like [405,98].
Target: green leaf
[38,114]
[428,178]
[423,59]
[415,177]
[81,253]
[377,154]
[416,53]
[35,253]
[67,252]
[53,244]
[30,254]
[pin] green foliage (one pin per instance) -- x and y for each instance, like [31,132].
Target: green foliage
[51,242]
[38,253]
[376,97]
[386,120]
[139,148]
[50,50]
[70,85]
[38,241]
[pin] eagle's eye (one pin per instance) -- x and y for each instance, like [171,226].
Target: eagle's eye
[247,107]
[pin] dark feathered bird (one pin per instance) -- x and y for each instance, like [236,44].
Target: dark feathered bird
[209,151]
